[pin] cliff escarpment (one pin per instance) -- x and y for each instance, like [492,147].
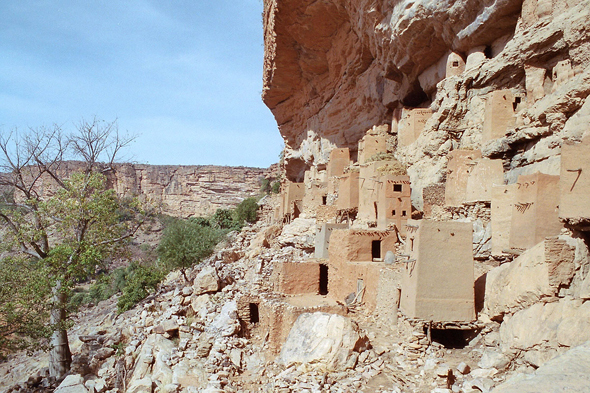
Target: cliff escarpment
[185,190]
[336,68]
[178,190]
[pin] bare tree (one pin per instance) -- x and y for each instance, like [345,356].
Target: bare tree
[64,218]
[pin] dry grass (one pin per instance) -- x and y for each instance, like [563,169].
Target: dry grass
[381,157]
[393,168]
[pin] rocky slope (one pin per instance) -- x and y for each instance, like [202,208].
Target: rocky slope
[193,337]
[335,69]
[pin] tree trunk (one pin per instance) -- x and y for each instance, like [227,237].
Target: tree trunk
[60,357]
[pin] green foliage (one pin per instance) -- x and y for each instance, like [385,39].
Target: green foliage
[186,242]
[105,286]
[119,349]
[265,185]
[72,233]
[276,187]
[281,157]
[141,279]
[82,214]
[24,293]
[224,219]
[133,282]
[65,219]
[246,211]
[202,221]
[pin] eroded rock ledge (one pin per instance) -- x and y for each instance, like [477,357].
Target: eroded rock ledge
[335,68]
[188,190]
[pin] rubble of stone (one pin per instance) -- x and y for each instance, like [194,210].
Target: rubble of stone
[230,329]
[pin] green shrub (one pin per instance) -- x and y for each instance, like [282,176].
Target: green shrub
[276,187]
[224,219]
[105,286]
[247,211]
[186,242]
[141,279]
[202,221]
[265,185]
[134,282]
[24,311]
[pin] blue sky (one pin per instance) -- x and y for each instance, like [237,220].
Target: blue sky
[185,76]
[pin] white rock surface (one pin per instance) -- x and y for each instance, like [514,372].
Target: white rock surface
[322,339]
[226,323]
[546,329]
[535,274]
[569,372]
[72,384]
[299,233]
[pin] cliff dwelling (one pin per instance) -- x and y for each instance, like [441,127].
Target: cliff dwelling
[430,233]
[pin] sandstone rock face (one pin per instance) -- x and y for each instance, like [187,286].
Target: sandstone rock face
[363,54]
[544,330]
[72,384]
[151,366]
[566,373]
[206,281]
[536,274]
[186,191]
[335,69]
[180,190]
[300,233]
[226,323]
[327,340]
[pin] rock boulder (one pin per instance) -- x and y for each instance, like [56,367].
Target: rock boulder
[537,273]
[325,340]
[206,281]
[544,330]
[566,373]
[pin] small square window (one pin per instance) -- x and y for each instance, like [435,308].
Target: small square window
[397,187]
[403,213]
[515,103]
[393,212]
[455,64]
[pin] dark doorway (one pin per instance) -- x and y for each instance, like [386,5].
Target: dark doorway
[254,314]
[376,249]
[324,200]
[452,338]
[323,279]
[296,211]
[480,290]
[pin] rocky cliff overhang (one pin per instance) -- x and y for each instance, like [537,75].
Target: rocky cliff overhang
[335,68]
